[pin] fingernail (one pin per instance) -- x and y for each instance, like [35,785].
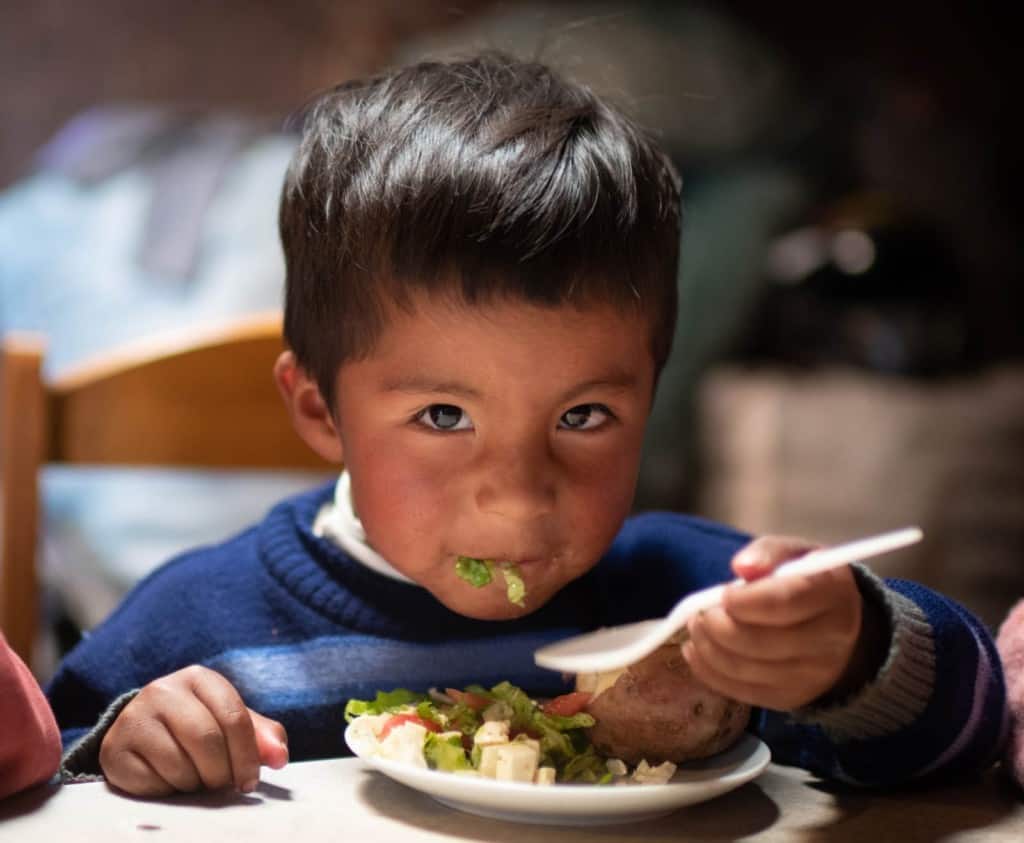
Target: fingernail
[249,786]
[753,564]
[749,559]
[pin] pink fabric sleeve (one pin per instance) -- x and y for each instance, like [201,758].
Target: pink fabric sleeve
[1011,652]
[29,739]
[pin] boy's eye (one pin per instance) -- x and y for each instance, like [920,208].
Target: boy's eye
[444,417]
[584,417]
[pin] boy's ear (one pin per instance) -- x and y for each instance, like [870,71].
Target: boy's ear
[311,417]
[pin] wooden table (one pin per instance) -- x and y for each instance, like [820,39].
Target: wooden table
[342,800]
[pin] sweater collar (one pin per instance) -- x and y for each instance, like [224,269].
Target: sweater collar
[337,520]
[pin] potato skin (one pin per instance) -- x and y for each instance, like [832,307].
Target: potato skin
[658,711]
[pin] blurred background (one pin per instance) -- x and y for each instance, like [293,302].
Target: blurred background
[849,351]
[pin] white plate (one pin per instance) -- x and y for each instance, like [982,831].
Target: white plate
[581,804]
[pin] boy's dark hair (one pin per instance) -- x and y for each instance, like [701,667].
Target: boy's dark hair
[484,178]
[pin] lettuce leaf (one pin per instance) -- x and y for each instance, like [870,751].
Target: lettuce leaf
[515,588]
[445,753]
[384,702]
[477,572]
[587,767]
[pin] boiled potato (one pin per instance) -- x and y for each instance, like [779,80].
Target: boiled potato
[656,710]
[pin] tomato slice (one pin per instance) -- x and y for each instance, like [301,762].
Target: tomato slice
[397,720]
[468,699]
[568,704]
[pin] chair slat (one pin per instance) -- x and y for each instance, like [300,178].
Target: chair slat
[202,399]
[22,425]
[213,406]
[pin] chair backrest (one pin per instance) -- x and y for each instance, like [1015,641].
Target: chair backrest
[204,399]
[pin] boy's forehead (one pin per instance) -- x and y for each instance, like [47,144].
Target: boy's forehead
[510,338]
[504,321]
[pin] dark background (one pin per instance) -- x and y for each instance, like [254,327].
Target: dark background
[934,78]
[899,119]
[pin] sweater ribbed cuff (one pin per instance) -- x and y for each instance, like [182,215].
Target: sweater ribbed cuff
[81,763]
[904,684]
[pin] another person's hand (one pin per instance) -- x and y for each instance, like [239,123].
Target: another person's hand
[187,731]
[784,643]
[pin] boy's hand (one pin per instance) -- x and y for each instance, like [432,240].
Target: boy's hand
[186,731]
[780,644]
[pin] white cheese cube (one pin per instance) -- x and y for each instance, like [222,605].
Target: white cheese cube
[405,743]
[364,730]
[491,733]
[545,775]
[528,741]
[616,766]
[517,762]
[489,760]
[646,774]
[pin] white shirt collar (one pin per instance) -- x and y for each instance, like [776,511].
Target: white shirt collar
[337,521]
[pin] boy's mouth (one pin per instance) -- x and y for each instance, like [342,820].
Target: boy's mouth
[522,555]
[479,572]
[519,562]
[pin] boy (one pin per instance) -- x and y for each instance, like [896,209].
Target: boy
[481,291]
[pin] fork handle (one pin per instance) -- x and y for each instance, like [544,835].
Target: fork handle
[811,563]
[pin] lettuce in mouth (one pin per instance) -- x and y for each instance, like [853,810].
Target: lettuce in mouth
[479,572]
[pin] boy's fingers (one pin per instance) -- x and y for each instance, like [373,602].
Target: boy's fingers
[271,740]
[763,555]
[788,600]
[727,686]
[131,773]
[780,696]
[172,763]
[738,666]
[793,665]
[199,733]
[226,706]
[139,744]
[763,643]
[149,740]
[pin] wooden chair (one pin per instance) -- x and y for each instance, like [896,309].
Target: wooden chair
[202,399]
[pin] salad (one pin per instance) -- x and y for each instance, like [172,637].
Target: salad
[498,733]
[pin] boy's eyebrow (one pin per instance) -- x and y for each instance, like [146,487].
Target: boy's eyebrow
[416,383]
[621,380]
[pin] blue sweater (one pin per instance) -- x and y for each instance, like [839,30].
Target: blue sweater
[299,628]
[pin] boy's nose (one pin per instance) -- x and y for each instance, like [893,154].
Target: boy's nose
[518,483]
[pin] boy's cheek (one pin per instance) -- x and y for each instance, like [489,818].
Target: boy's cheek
[389,467]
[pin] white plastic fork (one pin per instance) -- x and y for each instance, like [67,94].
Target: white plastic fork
[617,646]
